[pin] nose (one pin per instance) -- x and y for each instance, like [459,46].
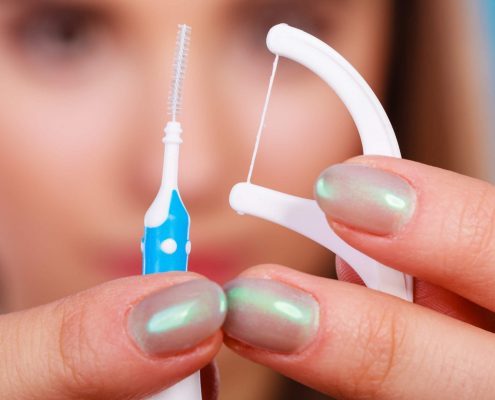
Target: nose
[201,170]
[202,151]
[205,165]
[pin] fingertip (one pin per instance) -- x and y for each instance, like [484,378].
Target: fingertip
[275,271]
[143,334]
[176,318]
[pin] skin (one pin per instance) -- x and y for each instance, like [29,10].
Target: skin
[405,350]
[81,116]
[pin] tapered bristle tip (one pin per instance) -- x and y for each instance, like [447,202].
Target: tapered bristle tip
[179,69]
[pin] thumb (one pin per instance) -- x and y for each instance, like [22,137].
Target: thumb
[125,339]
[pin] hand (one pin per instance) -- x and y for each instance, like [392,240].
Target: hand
[112,342]
[351,342]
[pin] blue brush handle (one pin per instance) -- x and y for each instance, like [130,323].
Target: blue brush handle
[166,248]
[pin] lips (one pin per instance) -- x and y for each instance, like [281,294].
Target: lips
[217,266]
[121,264]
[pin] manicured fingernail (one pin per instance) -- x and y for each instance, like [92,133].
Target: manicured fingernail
[366,198]
[177,318]
[270,315]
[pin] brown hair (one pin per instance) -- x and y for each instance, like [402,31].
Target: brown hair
[437,99]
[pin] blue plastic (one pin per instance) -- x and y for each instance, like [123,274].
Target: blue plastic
[175,228]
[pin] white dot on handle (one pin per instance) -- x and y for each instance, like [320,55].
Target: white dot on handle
[188,247]
[169,246]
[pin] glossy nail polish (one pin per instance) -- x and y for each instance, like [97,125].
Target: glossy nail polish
[177,318]
[270,315]
[365,198]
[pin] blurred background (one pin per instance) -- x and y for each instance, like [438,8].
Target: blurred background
[488,15]
[488,8]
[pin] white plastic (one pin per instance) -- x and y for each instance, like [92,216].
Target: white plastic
[377,136]
[157,214]
[188,389]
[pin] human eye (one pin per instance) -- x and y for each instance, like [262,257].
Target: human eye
[57,32]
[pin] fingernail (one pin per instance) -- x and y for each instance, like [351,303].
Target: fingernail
[270,315]
[366,198]
[177,318]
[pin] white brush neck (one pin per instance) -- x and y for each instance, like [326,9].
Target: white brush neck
[172,141]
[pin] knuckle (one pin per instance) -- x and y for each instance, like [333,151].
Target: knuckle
[379,353]
[16,351]
[474,230]
[76,354]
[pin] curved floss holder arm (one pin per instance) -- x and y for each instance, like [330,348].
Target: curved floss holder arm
[377,136]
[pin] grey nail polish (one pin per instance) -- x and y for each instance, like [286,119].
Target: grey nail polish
[270,315]
[177,318]
[365,198]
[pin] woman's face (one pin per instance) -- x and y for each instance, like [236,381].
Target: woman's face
[83,101]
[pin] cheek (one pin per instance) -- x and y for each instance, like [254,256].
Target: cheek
[60,129]
[319,132]
[57,153]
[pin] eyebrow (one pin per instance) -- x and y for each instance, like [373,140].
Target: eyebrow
[307,3]
[43,2]
[290,4]
[51,3]
[33,6]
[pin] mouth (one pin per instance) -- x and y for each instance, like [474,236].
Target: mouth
[123,264]
[219,266]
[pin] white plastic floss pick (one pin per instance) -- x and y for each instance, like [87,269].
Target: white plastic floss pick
[377,136]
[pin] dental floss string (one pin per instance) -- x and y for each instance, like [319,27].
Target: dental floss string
[263,118]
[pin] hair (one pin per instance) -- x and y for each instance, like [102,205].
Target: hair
[436,99]
[437,102]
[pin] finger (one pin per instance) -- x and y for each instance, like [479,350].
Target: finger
[433,297]
[350,342]
[433,224]
[125,339]
[345,273]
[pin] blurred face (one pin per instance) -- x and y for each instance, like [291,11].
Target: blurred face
[82,107]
